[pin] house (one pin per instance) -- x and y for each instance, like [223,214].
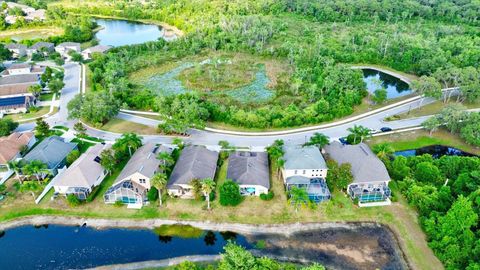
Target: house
[41,46]
[22,68]
[52,151]
[87,53]
[250,171]
[18,50]
[36,15]
[370,176]
[305,167]
[14,94]
[133,183]
[65,47]
[83,175]
[195,162]
[11,146]
[26,9]
[11,19]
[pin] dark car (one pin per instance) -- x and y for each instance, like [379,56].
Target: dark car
[386,129]
[343,140]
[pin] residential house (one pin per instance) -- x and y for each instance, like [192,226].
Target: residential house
[195,162]
[41,46]
[82,175]
[18,50]
[305,167]
[11,146]
[370,176]
[133,183]
[250,171]
[65,47]
[52,151]
[36,15]
[87,53]
[22,68]
[14,94]
[26,9]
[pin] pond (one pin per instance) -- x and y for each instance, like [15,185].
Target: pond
[376,79]
[436,151]
[120,32]
[64,247]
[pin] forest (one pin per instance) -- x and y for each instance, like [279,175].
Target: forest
[318,40]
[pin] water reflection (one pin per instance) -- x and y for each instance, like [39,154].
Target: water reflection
[376,79]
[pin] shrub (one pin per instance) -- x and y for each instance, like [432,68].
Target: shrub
[230,194]
[118,203]
[152,194]
[72,156]
[73,200]
[267,197]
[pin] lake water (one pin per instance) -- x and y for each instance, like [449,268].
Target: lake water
[65,247]
[120,32]
[436,151]
[376,79]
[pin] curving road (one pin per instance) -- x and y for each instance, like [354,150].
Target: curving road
[206,137]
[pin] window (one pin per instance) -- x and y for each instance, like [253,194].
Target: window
[304,171]
[142,181]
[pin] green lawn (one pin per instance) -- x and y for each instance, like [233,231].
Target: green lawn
[430,109]
[22,116]
[47,97]
[82,145]
[31,33]
[118,125]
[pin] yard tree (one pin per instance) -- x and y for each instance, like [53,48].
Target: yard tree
[76,57]
[359,132]
[432,124]
[7,126]
[96,108]
[178,142]
[14,165]
[128,143]
[400,168]
[298,197]
[318,139]
[159,181]
[5,54]
[72,156]
[230,193]
[107,160]
[275,151]
[35,89]
[208,186]
[46,75]
[42,128]
[80,129]
[167,161]
[55,85]
[383,150]
[426,172]
[35,168]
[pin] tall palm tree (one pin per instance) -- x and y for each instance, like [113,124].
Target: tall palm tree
[359,132]
[15,166]
[298,196]
[36,168]
[167,160]
[128,141]
[383,150]
[159,181]
[208,185]
[318,139]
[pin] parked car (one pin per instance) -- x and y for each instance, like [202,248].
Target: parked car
[386,129]
[343,140]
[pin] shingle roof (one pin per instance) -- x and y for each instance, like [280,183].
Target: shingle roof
[98,48]
[70,44]
[19,65]
[13,46]
[366,166]
[10,145]
[18,79]
[42,44]
[85,171]
[14,89]
[249,168]
[143,161]
[51,151]
[308,157]
[195,162]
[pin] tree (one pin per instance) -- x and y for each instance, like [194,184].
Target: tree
[426,172]
[107,160]
[400,168]
[453,116]
[298,196]
[230,193]
[5,54]
[35,89]
[431,124]
[167,161]
[76,57]
[275,151]
[208,186]
[383,150]
[72,156]
[319,140]
[80,129]
[159,181]
[94,107]
[359,132]
[15,166]
[379,96]
[128,142]
[36,168]
[55,85]
[236,257]
[7,126]
[42,128]
[428,87]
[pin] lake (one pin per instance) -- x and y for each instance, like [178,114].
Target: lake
[436,151]
[65,247]
[120,32]
[376,79]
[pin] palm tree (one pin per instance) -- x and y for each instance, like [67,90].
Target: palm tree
[159,181]
[167,160]
[36,168]
[208,185]
[280,162]
[298,196]
[359,132]
[318,139]
[15,166]
[128,141]
[383,150]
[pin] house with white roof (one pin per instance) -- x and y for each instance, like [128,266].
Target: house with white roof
[64,48]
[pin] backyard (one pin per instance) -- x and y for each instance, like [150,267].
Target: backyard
[31,116]
[31,33]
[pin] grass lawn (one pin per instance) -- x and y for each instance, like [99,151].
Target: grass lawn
[31,33]
[121,126]
[47,97]
[22,116]
[64,128]
[420,138]
[82,145]
[432,108]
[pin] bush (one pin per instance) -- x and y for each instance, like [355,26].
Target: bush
[72,156]
[93,194]
[118,203]
[230,194]
[267,197]
[73,200]
[152,194]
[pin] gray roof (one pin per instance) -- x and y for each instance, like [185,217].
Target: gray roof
[366,166]
[195,162]
[19,79]
[13,46]
[51,151]
[85,171]
[19,65]
[70,44]
[297,180]
[42,44]
[143,161]
[303,158]
[249,168]
[98,48]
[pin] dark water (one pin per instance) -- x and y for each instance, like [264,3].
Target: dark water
[66,247]
[119,32]
[436,151]
[377,79]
